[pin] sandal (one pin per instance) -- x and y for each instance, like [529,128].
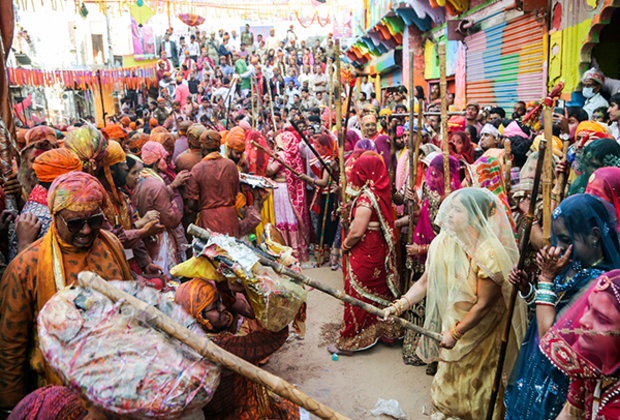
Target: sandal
[431,369]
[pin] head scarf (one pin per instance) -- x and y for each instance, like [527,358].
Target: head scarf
[489,129]
[383,144]
[75,191]
[257,159]
[487,173]
[153,121]
[605,183]
[557,145]
[598,154]
[153,152]
[53,163]
[210,140]
[41,133]
[89,146]
[456,123]
[369,178]
[588,350]
[586,129]
[136,142]
[482,236]
[193,135]
[289,152]
[245,125]
[514,129]
[114,154]
[468,151]
[125,121]
[236,139]
[527,175]
[163,138]
[594,74]
[194,296]
[385,112]
[50,403]
[115,132]
[183,127]
[351,141]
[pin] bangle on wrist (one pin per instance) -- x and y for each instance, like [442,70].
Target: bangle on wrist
[530,297]
[455,334]
[408,301]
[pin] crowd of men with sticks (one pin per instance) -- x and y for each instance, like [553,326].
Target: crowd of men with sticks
[506,291]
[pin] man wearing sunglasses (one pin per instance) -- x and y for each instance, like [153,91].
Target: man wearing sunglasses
[75,242]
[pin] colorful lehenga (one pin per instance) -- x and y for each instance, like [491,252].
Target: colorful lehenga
[370,266]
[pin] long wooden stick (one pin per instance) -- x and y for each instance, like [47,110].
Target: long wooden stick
[311,147]
[325,215]
[560,186]
[338,294]
[513,294]
[393,155]
[208,349]
[507,163]
[343,175]
[252,99]
[330,95]
[414,157]
[276,158]
[443,87]
[547,178]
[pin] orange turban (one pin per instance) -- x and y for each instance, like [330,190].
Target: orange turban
[194,296]
[184,126]
[159,129]
[236,139]
[585,129]
[211,139]
[136,142]
[51,164]
[125,121]
[132,125]
[165,139]
[76,191]
[114,154]
[115,131]
[456,123]
[41,133]
[193,135]
[153,122]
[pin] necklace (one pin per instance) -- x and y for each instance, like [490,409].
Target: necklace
[579,275]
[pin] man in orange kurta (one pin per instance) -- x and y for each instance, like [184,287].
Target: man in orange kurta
[74,243]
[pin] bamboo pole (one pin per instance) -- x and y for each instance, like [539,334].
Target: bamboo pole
[508,163]
[208,349]
[325,215]
[393,155]
[338,294]
[560,186]
[276,158]
[103,113]
[343,175]
[330,95]
[252,99]
[547,178]
[443,86]
[513,294]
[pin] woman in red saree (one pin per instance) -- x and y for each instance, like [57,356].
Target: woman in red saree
[605,183]
[370,266]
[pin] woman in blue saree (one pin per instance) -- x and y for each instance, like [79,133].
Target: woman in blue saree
[584,245]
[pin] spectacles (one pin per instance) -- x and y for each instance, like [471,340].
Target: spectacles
[75,225]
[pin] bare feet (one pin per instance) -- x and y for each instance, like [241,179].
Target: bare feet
[334,350]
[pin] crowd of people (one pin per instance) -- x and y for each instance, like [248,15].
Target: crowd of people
[116,200]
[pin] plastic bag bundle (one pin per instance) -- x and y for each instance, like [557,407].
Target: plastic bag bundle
[275,300]
[108,354]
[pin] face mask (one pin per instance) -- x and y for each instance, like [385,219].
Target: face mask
[588,92]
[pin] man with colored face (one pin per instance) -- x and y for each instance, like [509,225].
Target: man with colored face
[75,242]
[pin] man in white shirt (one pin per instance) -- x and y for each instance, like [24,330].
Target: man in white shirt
[614,115]
[235,41]
[272,42]
[593,81]
[367,86]
[193,48]
[290,93]
[223,92]
[319,79]
[305,77]
[182,47]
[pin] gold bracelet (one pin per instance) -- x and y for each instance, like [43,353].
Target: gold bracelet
[402,307]
[457,336]
[395,307]
[408,301]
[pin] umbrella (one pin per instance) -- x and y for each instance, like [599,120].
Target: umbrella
[141,13]
[191,19]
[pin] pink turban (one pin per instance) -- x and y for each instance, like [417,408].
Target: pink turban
[152,152]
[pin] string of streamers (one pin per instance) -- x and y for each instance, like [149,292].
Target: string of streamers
[315,16]
[130,78]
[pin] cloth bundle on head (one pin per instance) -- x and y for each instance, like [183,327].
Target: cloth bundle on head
[50,165]
[236,139]
[50,403]
[193,136]
[136,142]
[456,123]
[75,191]
[211,140]
[595,75]
[153,152]
[489,129]
[89,146]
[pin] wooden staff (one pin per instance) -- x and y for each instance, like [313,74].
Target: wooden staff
[330,93]
[252,100]
[325,215]
[338,294]
[547,177]
[273,116]
[513,294]
[343,175]
[393,155]
[312,149]
[276,158]
[208,349]
[227,103]
[443,86]
[507,164]
[347,109]
[560,186]
[101,95]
